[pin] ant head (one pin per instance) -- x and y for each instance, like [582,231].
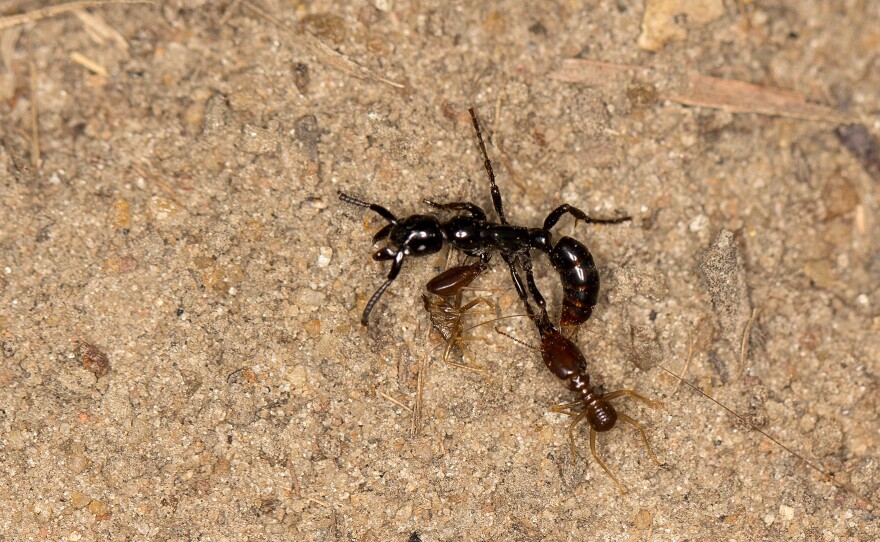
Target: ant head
[416,235]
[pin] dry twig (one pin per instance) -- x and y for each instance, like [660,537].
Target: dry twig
[100,31]
[744,346]
[324,53]
[741,97]
[35,117]
[88,64]
[704,91]
[61,9]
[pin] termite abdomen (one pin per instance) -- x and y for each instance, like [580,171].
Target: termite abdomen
[454,280]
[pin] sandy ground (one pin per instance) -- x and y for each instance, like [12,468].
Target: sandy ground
[180,288]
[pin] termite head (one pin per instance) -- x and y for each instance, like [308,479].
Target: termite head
[454,280]
[563,357]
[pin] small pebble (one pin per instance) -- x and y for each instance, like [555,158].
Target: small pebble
[298,377]
[121,215]
[313,328]
[643,519]
[99,509]
[194,116]
[308,299]
[79,500]
[77,463]
[324,256]
[403,513]
[93,359]
[16,440]
[786,512]
[699,223]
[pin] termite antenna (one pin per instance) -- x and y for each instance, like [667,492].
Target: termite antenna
[828,476]
[520,342]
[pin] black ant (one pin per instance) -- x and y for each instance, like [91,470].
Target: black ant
[476,236]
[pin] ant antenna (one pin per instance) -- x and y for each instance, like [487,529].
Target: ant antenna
[496,194]
[376,208]
[383,254]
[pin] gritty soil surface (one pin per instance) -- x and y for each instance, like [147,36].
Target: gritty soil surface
[181,289]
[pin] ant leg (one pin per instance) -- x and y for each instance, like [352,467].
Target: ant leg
[496,194]
[381,211]
[638,426]
[602,463]
[635,395]
[395,270]
[542,321]
[466,206]
[557,213]
[525,260]
[523,295]
[518,285]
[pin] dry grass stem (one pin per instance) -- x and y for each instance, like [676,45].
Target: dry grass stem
[61,9]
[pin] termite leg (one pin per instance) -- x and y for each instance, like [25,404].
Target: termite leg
[634,394]
[566,408]
[577,419]
[458,340]
[602,463]
[455,337]
[638,426]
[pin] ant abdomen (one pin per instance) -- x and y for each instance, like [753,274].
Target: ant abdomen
[580,280]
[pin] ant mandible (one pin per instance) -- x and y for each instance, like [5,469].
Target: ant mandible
[475,235]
